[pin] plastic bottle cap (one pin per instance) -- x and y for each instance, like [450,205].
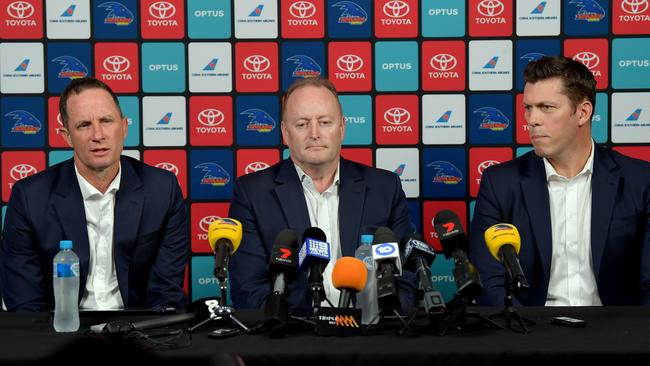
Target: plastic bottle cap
[367,238]
[65,244]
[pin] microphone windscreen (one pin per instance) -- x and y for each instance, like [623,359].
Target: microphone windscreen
[411,236]
[225,228]
[287,238]
[384,235]
[314,233]
[349,273]
[499,235]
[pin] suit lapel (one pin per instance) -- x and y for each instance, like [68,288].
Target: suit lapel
[291,198]
[536,200]
[604,185]
[69,207]
[352,195]
[129,203]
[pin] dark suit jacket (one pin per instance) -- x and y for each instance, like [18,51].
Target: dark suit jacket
[516,192]
[150,236]
[271,200]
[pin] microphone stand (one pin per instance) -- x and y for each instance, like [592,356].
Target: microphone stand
[457,308]
[509,313]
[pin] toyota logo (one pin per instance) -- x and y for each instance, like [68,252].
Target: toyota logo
[397,116]
[255,167]
[589,59]
[349,63]
[443,62]
[60,128]
[168,167]
[302,9]
[396,9]
[257,63]
[20,9]
[116,64]
[486,164]
[205,222]
[490,8]
[21,171]
[634,6]
[211,117]
[162,10]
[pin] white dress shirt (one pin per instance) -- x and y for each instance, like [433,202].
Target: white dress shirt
[102,289]
[324,213]
[572,281]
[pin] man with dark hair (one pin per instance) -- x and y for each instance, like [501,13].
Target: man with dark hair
[582,210]
[315,187]
[127,220]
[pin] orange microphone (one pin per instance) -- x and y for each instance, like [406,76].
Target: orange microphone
[349,276]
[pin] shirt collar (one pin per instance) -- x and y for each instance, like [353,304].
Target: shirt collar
[88,190]
[588,168]
[304,177]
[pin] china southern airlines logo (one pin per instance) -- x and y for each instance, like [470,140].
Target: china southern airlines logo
[214,175]
[211,65]
[400,169]
[257,11]
[118,14]
[72,68]
[532,56]
[166,119]
[69,11]
[635,115]
[539,9]
[351,13]
[26,123]
[23,65]
[492,63]
[259,120]
[493,119]
[444,118]
[588,10]
[306,67]
[445,172]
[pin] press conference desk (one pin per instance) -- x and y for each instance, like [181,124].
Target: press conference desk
[618,334]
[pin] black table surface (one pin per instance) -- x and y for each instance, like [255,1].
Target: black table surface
[612,334]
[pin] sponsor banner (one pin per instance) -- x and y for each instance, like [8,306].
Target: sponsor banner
[397,119]
[253,160]
[303,18]
[444,173]
[211,121]
[68,19]
[17,165]
[396,18]
[593,53]
[481,158]
[207,19]
[201,216]
[406,164]
[174,161]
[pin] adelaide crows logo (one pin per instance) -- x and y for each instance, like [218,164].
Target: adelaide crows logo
[72,68]
[588,10]
[306,67]
[259,120]
[118,14]
[445,172]
[26,123]
[493,119]
[351,13]
[214,175]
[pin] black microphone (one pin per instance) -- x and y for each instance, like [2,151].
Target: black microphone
[454,245]
[282,269]
[125,327]
[385,254]
[417,257]
[314,254]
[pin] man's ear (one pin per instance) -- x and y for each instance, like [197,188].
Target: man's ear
[585,112]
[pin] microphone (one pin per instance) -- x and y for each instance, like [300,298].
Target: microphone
[417,257]
[124,327]
[454,245]
[315,254]
[385,254]
[503,242]
[349,275]
[282,269]
[224,236]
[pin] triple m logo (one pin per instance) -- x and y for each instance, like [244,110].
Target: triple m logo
[20,13]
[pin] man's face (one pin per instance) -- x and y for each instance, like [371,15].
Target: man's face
[95,130]
[313,127]
[553,122]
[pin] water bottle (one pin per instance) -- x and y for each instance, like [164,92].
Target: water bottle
[367,298]
[66,288]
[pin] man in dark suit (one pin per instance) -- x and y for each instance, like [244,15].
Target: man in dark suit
[316,187]
[582,211]
[127,220]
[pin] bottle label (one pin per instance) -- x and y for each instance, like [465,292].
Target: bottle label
[66,270]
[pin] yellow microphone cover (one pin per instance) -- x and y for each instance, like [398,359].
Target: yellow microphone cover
[225,228]
[349,273]
[499,235]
